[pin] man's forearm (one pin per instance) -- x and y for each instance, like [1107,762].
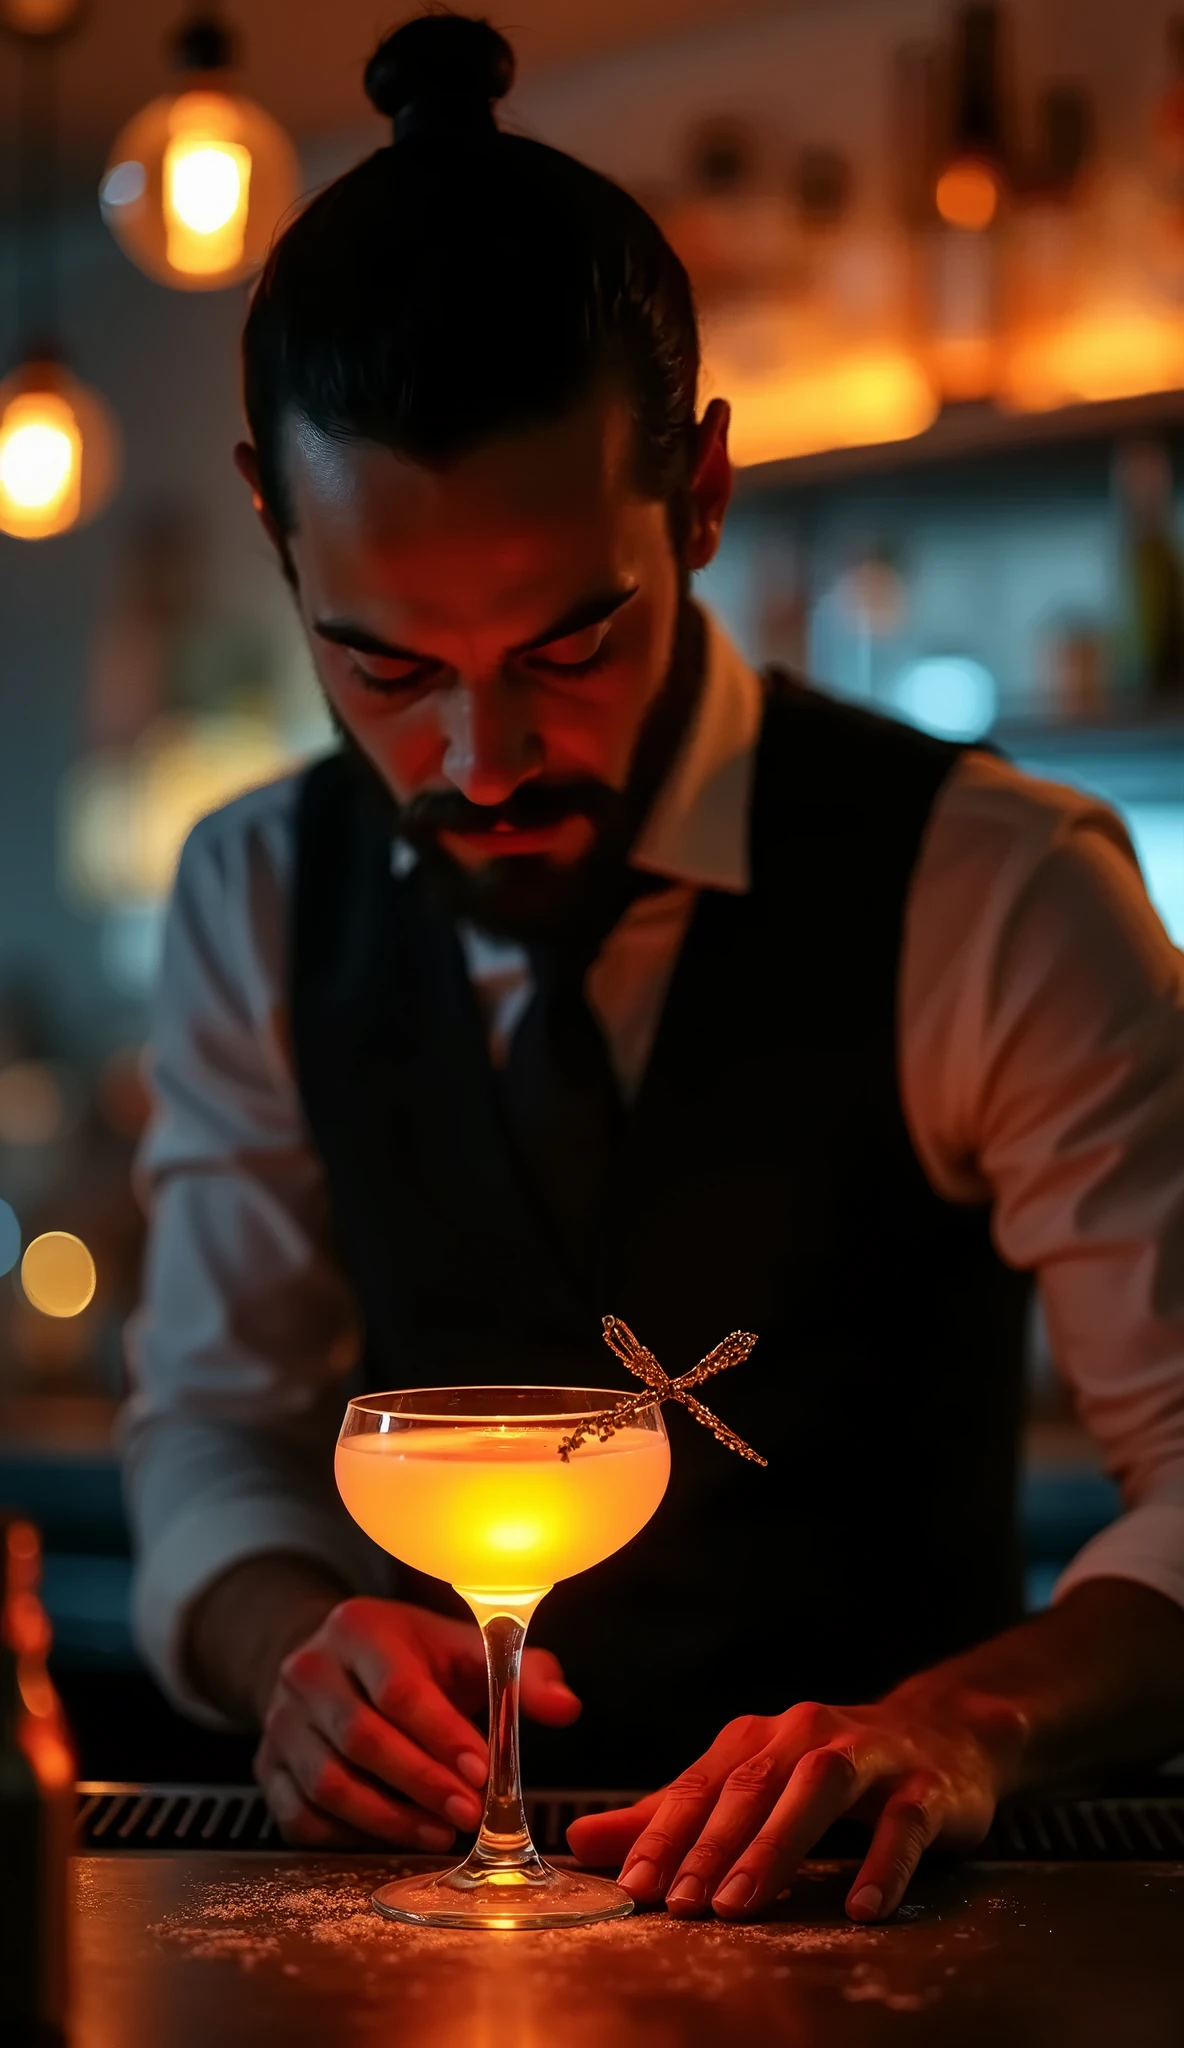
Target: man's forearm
[1096,1680]
[248,1621]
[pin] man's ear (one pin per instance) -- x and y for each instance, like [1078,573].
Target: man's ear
[246,461]
[711,484]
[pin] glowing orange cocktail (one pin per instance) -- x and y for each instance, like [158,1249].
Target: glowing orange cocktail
[469,1485]
[492,1508]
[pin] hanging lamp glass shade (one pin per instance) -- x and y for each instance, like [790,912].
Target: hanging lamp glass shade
[59,451]
[199,180]
[39,17]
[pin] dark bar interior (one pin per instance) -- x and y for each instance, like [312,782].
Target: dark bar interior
[592,1021]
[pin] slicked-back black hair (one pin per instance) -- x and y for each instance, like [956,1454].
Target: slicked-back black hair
[464,283]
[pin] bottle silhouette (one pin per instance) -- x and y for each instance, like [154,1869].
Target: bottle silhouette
[36,1806]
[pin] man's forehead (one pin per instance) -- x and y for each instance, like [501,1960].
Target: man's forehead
[505,538]
[570,470]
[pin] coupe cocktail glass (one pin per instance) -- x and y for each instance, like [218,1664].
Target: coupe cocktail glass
[467,1484]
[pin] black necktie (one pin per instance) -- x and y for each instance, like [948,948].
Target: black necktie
[561,1096]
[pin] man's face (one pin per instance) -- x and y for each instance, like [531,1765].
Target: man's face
[492,634]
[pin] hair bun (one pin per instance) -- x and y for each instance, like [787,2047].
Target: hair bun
[440,71]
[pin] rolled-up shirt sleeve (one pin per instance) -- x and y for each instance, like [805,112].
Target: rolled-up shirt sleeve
[242,1354]
[1042,1050]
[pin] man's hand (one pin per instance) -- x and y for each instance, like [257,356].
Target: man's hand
[1096,1680]
[729,1833]
[366,1735]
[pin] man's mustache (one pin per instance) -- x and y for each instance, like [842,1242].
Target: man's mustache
[530,807]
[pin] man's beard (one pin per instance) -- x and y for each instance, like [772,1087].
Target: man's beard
[529,897]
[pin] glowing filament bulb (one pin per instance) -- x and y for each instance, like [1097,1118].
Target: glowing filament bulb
[40,466]
[207,186]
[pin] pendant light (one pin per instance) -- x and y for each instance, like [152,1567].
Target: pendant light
[199,180]
[59,445]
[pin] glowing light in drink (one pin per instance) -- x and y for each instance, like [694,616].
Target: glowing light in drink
[492,1508]
[501,1490]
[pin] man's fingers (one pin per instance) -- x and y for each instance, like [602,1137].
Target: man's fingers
[329,1787]
[824,1784]
[543,1692]
[455,1656]
[352,1727]
[745,1802]
[396,1680]
[296,1820]
[685,1806]
[603,1838]
[910,1821]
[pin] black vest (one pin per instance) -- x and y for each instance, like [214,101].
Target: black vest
[765,1180]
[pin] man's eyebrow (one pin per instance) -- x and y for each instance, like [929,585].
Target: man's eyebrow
[344,633]
[590,611]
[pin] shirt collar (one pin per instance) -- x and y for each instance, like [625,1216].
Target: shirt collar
[697,831]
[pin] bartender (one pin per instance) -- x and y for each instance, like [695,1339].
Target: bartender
[596,972]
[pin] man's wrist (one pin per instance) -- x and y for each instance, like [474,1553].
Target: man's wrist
[1000,1727]
[246,1622]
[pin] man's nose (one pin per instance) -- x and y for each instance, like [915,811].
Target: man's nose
[491,745]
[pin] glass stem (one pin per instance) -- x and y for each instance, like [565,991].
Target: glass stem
[504,1840]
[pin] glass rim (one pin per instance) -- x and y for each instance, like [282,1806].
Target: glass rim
[376,1404]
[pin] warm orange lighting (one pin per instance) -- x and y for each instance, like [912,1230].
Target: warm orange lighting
[493,1509]
[206,183]
[196,186]
[40,466]
[126,814]
[966,366]
[58,452]
[38,17]
[58,1274]
[852,400]
[968,195]
[1108,352]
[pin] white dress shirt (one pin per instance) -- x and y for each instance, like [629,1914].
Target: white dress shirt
[1041,1058]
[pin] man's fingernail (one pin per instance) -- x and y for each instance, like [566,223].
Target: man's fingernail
[640,1877]
[433,1838]
[866,1902]
[463,1810]
[736,1892]
[689,1891]
[472,1767]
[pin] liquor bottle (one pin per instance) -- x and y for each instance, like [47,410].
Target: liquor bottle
[964,254]
[1154,574]
[36,1806]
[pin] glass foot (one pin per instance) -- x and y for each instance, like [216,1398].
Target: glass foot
[540,1897]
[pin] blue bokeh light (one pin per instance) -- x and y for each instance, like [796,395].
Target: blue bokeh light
[10,1238]
[947,694]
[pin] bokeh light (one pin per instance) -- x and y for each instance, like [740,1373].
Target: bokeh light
[196,186]
[58,1274]
[850,400]
[38,17]
[10,1237]
[59,452]
[127,814]
[32,1108]
[950,695]
[968,195]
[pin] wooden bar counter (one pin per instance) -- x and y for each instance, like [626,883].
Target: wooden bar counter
[217,1950]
